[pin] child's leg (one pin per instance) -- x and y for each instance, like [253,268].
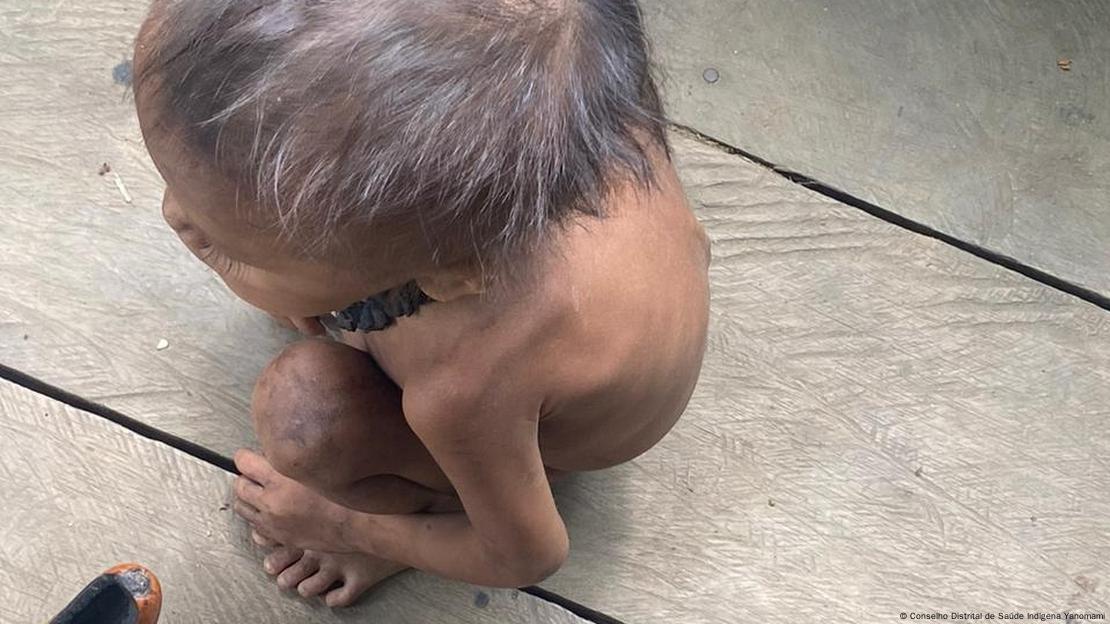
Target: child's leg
[328,417]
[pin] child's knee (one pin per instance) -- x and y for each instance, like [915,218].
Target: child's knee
[304,407]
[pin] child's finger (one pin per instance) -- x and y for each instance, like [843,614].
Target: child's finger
[309,326]
[248,513]
[283,321]
[252,465]
[248,491]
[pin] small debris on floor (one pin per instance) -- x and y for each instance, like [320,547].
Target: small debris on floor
[162,345]
[1089,585]
[123,73]
[104,169]
[918,472]
[711,75]
[770,502]
[1064,64]
[25,336]
[122,189]
[223,507]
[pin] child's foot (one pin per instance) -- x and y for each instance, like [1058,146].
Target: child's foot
[339,578]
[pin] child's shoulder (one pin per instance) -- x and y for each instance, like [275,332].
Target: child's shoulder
[613,293]
[602,297]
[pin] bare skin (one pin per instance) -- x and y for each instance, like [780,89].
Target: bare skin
[431,444]
[608,366]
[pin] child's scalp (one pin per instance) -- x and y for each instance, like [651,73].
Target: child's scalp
[481,122]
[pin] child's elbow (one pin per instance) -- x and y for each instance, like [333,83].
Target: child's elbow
[533,563]
[547,563]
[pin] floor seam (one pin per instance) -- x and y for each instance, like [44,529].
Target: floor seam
[225,463]
[578,609]
[905,223]
[137,427]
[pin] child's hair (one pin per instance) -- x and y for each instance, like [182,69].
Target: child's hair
[480,122]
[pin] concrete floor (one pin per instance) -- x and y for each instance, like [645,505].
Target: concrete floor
[884,423]
[956,114]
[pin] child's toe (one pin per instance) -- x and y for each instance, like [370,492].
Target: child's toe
[343,596]
[276,562]
[305,567]
[317,583]
[263,541]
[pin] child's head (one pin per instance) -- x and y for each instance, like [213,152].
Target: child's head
[318,151]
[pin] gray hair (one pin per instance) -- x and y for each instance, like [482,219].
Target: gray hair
[481,122]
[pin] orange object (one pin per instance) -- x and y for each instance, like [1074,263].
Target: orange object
[125,594]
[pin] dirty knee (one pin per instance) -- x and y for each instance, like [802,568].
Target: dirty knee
[308,406]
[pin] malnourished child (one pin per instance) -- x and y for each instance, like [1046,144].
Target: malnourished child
[483,190]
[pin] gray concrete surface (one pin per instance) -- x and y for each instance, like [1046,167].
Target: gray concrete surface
[82,494]
[949,112]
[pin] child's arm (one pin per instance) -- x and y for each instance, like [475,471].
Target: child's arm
[486,443]
[511,533]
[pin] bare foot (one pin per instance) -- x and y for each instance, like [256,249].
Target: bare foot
[339,578]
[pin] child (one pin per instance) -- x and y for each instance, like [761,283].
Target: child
[484,191]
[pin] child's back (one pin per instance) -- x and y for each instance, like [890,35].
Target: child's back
[607,338]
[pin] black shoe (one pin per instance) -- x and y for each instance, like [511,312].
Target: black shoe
[126,594]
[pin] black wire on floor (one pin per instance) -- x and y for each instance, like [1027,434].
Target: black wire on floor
[581,611]
[916,227]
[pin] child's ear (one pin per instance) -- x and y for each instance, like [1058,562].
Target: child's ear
[450,285]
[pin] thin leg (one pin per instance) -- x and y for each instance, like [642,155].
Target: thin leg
[329,418]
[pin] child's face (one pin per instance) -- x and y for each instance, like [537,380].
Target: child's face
[202,206]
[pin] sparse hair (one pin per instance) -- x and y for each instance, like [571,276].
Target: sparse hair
[479,123]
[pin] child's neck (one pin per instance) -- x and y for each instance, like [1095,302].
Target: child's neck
[382,310]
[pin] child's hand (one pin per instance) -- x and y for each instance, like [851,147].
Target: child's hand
[309,326]
[285,511]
